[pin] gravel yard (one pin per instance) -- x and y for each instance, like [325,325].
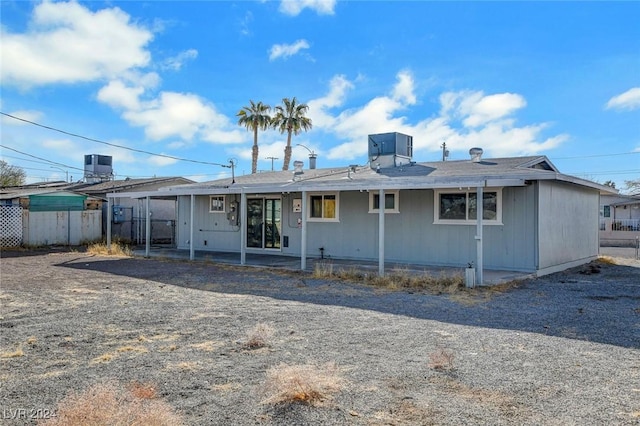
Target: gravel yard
[558,350]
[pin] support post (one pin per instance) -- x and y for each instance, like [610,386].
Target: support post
[147,244]
[109,218]
[192,250]
[479,217]
[381,205]
[243,228]
[303,243]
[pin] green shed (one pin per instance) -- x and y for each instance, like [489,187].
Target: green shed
[61,201]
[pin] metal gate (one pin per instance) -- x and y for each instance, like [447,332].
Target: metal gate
[10,226]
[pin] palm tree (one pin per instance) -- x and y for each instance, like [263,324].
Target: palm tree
[290,117]
[255,117]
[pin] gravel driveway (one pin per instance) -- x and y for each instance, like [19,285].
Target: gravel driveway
[562,349]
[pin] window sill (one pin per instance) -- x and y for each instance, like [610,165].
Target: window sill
[467,222]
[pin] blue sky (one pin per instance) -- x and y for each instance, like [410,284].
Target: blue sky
[515,78]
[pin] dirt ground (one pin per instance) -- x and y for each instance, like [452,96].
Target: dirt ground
[557,350]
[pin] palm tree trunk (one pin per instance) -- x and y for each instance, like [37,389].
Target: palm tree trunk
[254,151]
[287,153]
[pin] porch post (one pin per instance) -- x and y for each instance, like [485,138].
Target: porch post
[192,251]
[109,213]
[479,217]
[147,244]
[243,228]
[303,243]
[381,205]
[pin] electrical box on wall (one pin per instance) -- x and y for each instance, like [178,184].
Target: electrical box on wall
[232,215]
[297,205]
[118,214]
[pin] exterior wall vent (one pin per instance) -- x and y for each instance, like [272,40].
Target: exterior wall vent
[476,154]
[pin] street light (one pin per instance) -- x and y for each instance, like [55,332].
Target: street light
[62,170]
[312,157]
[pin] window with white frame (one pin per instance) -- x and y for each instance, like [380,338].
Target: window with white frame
[459,207]
[323,207]
[216,204]
[391,201]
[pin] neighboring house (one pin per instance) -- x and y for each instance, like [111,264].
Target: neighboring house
[619,219]
[533,219]
[128,215]
[44,215]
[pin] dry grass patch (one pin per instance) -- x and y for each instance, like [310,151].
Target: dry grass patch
[32,340]
[308,383]
[110,404]
[442,360]
[104,358]
[18,352]
[406,413]
[143,390]
[398,279]
[259,336]
[117,249]
[138,349]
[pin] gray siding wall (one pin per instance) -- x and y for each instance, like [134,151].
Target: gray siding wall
[568,223]
[212,231]
[410,236]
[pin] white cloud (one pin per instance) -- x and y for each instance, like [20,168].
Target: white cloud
[464,119]
[175,63]
[286,50]
[294,7]
[173,114]
[403,91]
[68,43]
[628,100]
[118,95]
[338,88]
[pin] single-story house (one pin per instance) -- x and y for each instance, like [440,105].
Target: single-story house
[532,218]
[619,219]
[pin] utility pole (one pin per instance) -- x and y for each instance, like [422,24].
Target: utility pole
[272,158]
[445,151]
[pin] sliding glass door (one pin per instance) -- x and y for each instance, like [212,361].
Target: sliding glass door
[264,225]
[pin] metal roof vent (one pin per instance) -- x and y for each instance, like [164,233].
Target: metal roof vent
[476,154]
[297,167]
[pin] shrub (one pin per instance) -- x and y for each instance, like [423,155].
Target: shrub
[117,249]
[109,405]
[307,383]
[259,336]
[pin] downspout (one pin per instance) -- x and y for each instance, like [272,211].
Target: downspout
[381,205]
[303,242]
[109,213]
[147,242]
[68,226]
[243,227]
[192,250]
[479,217]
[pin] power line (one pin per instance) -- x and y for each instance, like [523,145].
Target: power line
[112,144]
[40,158]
